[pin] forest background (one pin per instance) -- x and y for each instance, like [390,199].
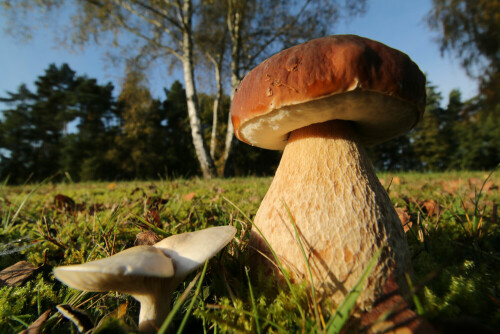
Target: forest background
[69,126]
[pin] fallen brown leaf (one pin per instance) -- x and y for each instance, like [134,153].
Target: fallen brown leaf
[475,183]
[36,326]
[153,218]
[152,187]
[452,186]
[64,202]
[16,274]
[96,207]
[189,197]
[429,207]
[405,218]
[489,185]
[146,238]
[154,202]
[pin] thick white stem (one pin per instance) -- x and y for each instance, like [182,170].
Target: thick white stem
[341,211]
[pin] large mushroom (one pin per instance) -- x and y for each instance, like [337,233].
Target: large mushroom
[149,273]
[322,101]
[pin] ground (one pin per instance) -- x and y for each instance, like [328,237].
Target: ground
[450,219]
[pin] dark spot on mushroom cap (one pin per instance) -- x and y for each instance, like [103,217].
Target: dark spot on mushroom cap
[292,64]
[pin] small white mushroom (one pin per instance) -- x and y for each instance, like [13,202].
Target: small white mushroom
[149,273]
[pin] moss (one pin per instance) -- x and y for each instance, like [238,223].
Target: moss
[27,301]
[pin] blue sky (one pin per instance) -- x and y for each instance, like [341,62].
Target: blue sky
[397,23]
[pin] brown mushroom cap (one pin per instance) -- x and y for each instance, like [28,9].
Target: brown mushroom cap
[344,77]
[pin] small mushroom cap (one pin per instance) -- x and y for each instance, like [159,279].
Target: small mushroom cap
[190,250]
[343,77]
[124,272]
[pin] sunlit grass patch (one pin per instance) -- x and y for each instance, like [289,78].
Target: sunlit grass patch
[455,267]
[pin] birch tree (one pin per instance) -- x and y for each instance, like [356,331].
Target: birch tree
[213,43]
[158,28]
[162,28]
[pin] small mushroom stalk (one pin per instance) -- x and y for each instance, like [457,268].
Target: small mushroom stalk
[155,307]
[342,213]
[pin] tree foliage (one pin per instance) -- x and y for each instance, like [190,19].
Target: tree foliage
[34,132]
[470,29]
[72,126]
[461,136]
[464,134]
[232,33]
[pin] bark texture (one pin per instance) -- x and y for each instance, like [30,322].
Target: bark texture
[342,213]
[206,162]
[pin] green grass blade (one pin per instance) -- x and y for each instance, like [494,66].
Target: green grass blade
[341,316]
[250,314]
[191,304]
[278,262]
[416,300]
[254,307]
[313,290]
[8,224]
[477,197]
[168,321]
[38,302]
[19,320]
[155,229]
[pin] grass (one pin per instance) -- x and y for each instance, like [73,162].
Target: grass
[454,240]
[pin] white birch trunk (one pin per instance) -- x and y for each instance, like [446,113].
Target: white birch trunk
[206,162]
